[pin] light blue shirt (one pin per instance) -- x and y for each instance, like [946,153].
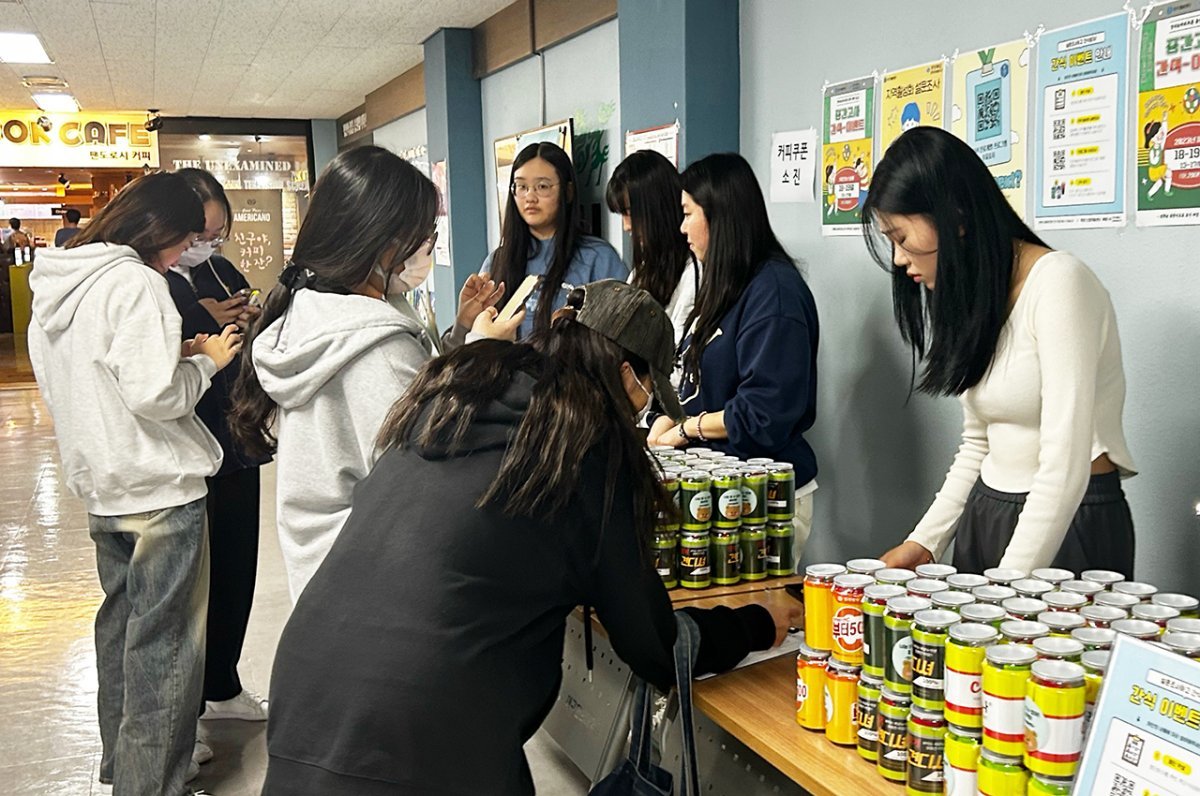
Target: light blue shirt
[594,259]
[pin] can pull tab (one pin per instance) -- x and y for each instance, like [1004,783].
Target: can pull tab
[588,655]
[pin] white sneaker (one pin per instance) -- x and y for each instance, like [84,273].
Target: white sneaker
[201,753]
[246,706]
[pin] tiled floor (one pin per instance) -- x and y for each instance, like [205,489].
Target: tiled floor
[49,743]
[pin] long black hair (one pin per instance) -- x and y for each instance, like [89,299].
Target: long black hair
[154,212]
[956,327]
[366,201]
[578,404]
[209,189]
[646,187]
[740,240]
[510,260]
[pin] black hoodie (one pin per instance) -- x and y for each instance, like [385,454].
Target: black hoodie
[427,648]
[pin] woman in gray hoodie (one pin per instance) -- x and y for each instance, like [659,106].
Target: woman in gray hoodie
[336,345]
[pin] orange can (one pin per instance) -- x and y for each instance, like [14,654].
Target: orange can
[847,627]
[811,668]
[818,604]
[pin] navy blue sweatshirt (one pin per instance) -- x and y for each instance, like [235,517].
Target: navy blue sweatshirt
[216,278]
[761,369]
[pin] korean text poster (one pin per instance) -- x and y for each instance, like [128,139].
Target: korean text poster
[793,165]
[847,154]
[1168,117]
[1145,733]
[1082,96]
[910,98]
[990,96]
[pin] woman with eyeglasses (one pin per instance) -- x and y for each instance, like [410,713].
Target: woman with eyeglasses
[541,236]
[336,345]
[1026,337]
[210,293]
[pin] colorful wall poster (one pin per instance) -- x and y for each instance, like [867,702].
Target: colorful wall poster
[1145,733]
[990,95]
[793,165]
[506,150]
[1168,117]
[910,98]
[847,154]
[1082,97]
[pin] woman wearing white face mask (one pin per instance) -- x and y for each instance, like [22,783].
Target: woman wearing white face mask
[336,345]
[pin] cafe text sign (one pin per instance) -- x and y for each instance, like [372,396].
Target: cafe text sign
[76,140]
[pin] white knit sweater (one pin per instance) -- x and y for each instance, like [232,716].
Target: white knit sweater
[1050,404]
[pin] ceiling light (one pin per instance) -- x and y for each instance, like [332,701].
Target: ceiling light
[205,137]
[22,48]
[56,103]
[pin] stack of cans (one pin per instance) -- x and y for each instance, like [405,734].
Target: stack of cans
[733,519]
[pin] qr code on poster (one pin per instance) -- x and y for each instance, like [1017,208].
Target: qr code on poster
[1060,159]
[1060,129]
[1122,786]
[987,111]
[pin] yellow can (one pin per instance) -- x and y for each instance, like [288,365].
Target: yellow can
[965,648]
[962,761]
[841,703]
[1054,708]
[818,604]
[1005,679]
[1000,775]
[1095,663]
[810,687]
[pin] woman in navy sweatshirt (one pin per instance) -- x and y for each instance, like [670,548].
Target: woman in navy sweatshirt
[750,360]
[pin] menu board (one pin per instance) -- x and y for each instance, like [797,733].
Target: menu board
[255,246]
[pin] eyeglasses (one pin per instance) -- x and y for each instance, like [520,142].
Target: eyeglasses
[542,189]
[216,242]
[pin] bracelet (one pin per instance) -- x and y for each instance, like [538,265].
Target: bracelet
[700,427]
[683,435]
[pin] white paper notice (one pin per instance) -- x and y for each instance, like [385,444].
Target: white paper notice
[793,165]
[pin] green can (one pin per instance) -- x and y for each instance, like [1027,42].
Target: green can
[724,554]
[695,572]
[1185,604]
[780,561]
[665,548]
[868,710]
[695,493]
[966,581]
[929,630]
[894,576]
[727,497]
[1040,785]
[781,492]
[926,752]
[993,594]
[1000,775]
[754,494]
[891,722]
[669,521]
[952,600]
[897,626]
[984,614]
[752,540]
[874,605]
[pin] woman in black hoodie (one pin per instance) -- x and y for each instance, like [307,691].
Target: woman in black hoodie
[513,487]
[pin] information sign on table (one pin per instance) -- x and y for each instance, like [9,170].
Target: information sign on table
[1145,735]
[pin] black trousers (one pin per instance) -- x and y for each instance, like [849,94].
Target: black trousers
[233,541]
[1100,535]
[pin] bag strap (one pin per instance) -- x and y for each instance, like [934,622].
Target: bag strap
[687,644]
[640,734]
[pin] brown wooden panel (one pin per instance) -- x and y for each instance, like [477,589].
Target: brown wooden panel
[555,20]
[504,38]
[398,97]
[343,140]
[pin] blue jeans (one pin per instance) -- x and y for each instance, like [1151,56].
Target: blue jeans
[150,645]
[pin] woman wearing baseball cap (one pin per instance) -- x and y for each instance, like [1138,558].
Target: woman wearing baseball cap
[513,487]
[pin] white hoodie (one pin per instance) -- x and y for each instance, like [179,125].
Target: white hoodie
[105,346]
[334,364]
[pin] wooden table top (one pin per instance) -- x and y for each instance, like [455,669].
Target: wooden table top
[681,596]
[757,706]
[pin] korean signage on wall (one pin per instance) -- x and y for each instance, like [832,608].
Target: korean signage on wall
[256,244]
[76,140]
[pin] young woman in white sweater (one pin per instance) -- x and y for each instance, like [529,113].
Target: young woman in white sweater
[1027,338]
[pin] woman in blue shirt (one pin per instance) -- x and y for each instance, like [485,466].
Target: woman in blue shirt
[750,361]
[541,236]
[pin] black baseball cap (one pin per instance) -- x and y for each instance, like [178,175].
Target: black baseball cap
[631,318]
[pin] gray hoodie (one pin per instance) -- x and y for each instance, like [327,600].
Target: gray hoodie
[104,342]
[334,364]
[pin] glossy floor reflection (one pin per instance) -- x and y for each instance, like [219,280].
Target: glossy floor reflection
[49,592]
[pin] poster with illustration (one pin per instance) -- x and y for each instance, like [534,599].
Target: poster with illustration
[847,154]
[990,97]
[910,98]
[506,150]
[1168,117]
[1082,97]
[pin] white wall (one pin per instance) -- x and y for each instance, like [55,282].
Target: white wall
[404,135]
[882,460]
[582,80]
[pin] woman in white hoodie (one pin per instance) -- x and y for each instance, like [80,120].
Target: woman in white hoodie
[336,345]
[104,342]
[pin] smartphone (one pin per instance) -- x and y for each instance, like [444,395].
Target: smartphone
[517,302]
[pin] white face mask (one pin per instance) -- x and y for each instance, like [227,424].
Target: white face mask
[645,410]
[196,254]
[416,268]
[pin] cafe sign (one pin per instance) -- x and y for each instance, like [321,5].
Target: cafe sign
[76,140]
